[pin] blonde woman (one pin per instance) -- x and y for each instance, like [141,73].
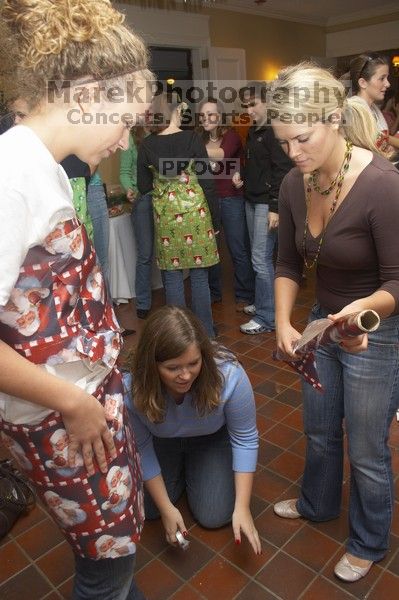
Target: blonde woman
[339,214]
[58,348]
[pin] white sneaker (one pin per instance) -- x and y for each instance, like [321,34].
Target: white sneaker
[250,310]
[253,328]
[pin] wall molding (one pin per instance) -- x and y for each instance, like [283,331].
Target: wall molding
[368,13]
[160,27]
[355,41]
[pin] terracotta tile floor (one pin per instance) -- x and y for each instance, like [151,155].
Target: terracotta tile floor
[298,557]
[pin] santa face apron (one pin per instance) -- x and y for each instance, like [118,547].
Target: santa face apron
[58,313]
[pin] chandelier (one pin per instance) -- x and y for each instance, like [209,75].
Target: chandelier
[199,2]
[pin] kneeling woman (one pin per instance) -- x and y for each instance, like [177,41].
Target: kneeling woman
[193,413]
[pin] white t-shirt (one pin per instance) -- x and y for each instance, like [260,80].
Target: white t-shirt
[35,195]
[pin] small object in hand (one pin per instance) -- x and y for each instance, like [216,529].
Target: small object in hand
[184,544]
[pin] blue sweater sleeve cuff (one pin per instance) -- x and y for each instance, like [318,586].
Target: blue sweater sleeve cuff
[244,460]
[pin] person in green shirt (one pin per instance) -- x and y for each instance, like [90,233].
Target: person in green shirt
[142,221]
[79,200]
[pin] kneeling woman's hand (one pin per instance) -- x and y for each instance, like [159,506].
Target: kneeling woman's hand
[173,521]
[242,521]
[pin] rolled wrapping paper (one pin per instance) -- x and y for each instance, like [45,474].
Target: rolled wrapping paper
[367,320]
[183,543]
[323,332]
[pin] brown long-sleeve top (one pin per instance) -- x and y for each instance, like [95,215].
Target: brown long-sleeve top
[360,250]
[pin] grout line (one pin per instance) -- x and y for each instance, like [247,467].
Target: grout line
[36,566]
[345,595]
[14,537]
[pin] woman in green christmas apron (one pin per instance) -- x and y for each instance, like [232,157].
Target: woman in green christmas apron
[185,206]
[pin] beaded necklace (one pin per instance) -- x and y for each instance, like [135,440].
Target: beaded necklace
[313,185]
[315,177]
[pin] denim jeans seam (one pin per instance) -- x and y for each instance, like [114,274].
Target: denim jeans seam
[337,388]
[326,450]
[389,499]
[382,444]
[323,478]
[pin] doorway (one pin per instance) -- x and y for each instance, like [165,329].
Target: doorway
[173,68]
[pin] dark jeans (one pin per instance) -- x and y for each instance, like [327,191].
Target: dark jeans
[232,214]
[98,210]
[106,579]
[143,226]
[363,389]
[200,297]
[202,466]
[263,244]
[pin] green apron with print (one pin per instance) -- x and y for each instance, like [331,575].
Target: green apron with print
[184,234]
[80,204]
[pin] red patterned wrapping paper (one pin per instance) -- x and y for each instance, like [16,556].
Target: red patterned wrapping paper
[324,332]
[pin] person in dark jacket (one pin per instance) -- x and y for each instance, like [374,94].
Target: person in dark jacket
[266,164]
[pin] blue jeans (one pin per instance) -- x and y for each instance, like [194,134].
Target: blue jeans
[232,214]
[143,225]
[98,210]
[363,389]
[200,296]
[202,466]
[106,579]
[263,242]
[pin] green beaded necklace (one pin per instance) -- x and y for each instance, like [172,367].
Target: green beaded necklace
[312,184]
[314,177]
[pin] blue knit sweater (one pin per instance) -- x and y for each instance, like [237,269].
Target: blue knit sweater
[236,410]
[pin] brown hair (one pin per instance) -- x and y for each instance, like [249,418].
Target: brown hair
[65,40]
[221,129]
[138,132]
[391,95]
[166,335]
[163,106]
[364,66]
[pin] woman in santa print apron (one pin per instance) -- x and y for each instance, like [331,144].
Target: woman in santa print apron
[59,339]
